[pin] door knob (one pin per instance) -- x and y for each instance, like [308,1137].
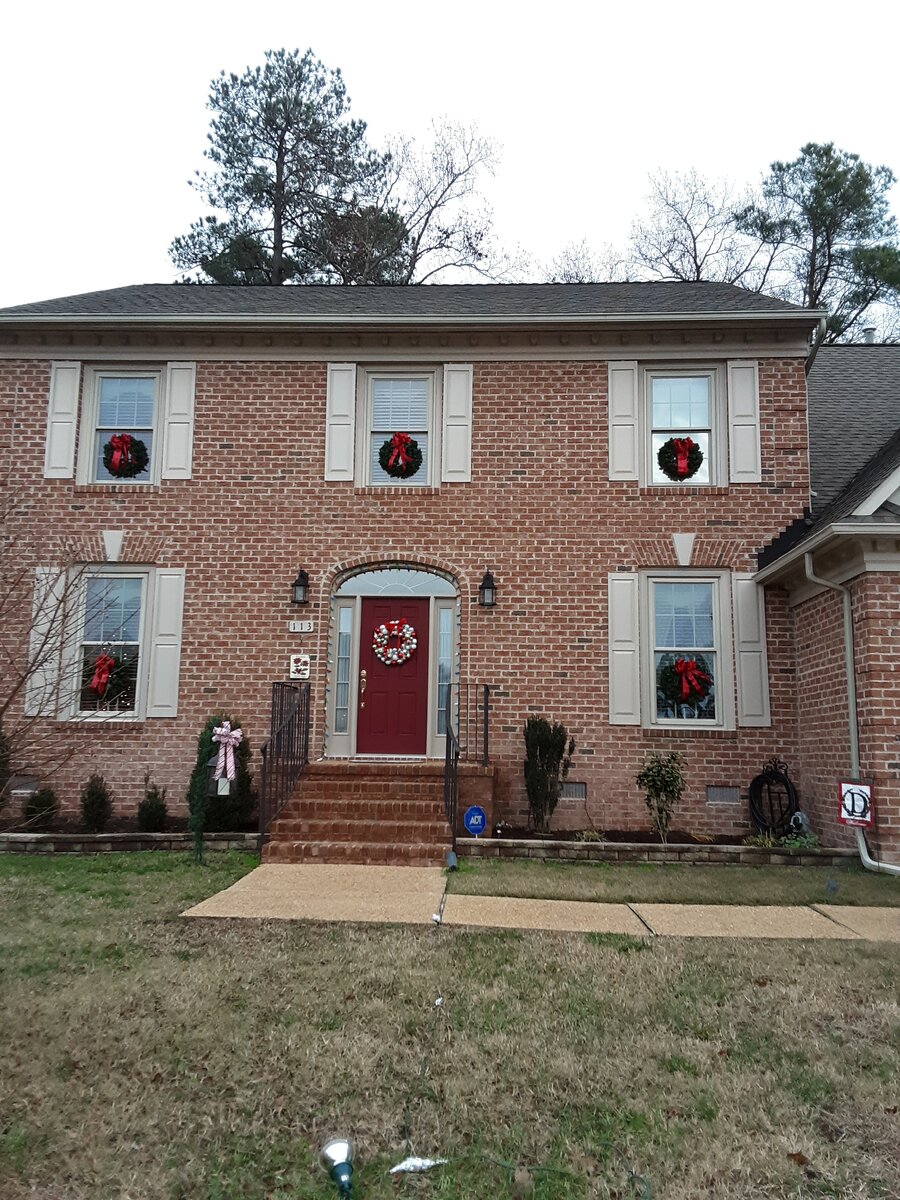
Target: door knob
[362,689]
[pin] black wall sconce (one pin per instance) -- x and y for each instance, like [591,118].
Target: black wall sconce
[300,589]
[487,591]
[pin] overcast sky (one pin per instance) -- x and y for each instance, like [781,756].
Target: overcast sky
[105,119]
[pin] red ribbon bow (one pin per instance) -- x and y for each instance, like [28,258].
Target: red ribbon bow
[692,678]
[121,455]
[399,443]
[682,447]
[103,664]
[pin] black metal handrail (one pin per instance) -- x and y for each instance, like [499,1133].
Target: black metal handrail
[468,709]
[451,778]
[286,752]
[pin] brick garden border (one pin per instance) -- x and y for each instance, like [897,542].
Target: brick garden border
[611,852]
[104,843]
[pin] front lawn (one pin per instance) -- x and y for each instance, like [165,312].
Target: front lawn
[149,1057]
[673,883]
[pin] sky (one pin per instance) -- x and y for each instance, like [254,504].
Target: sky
[105,118]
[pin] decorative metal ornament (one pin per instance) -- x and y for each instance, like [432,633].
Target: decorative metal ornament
[773,800]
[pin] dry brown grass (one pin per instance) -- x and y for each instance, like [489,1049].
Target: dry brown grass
[674,883]
[149,1057]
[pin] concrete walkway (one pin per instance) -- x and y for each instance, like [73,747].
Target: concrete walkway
[413,895]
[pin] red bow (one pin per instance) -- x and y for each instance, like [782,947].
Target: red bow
[683,447]
[692,678]
[399,443]
[103,664]
[121,455]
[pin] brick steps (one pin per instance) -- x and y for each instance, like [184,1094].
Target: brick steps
[359,812]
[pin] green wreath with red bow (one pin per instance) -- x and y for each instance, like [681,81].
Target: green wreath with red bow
[685,680]
[400,456]
[125,456]
[680,458]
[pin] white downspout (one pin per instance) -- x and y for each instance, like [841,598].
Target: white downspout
[866,858]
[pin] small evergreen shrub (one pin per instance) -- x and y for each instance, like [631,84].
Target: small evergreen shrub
[96,804]
[40,808]
[219,814]
[152,813]
[548,755]
[662,780]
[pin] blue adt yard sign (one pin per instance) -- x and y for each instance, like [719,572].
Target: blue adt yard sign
[474,821]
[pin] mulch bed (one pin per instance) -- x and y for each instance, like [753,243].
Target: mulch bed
[677,837]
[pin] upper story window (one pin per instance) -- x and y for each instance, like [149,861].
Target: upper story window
[124,406]
[399,404]
[681,414]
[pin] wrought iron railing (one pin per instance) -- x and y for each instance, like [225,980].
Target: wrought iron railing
[467,737]
[286,752]
[451,780]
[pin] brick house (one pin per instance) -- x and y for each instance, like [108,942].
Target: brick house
[538,412]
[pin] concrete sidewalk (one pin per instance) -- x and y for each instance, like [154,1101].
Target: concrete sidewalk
[412,895]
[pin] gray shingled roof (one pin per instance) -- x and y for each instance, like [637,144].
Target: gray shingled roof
[457,301]
[854,408]
[854,437]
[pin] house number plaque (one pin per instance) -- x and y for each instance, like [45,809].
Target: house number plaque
[300,626]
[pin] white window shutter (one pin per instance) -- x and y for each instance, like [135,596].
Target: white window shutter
[340,419]
[624,651]
[623,420]
[456,447]
[165,642]
[751,663]
[743,422]
[178,439]
[45,642]
[62,420]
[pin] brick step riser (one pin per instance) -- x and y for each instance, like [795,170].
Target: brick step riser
[360,831]
[353,852]
[382,810]
[370,794]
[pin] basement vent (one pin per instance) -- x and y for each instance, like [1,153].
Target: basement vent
[573,791]
[723,795]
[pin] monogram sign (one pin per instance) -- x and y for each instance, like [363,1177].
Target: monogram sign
[856,804]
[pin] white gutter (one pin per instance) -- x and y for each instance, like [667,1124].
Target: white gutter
[868,862]
[816,540]
[266,320]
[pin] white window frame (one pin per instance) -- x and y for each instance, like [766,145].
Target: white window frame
[90,417]
[723,646]
[718,436]
[72,666]
[429,477]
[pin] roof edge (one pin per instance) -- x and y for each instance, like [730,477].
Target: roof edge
[820,537]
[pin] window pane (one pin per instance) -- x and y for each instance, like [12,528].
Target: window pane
[680,403]
[396,581]
[399,404]
[445,649]
[686,686]
[112,692]
[380,476]
[658,440]
[342,675]
[112,610]
[683,614]
[126,403]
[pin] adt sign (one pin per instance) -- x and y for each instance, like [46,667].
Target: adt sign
[475,821]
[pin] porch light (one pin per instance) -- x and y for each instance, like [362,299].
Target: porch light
[336,1156]
[300,586]
[487,592]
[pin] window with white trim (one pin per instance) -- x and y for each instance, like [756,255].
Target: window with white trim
[681,405]
[109,658]
[121,403]
[685,650]
[395,404]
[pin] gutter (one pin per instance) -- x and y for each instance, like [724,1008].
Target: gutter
[868,862]
[265,320]
[814,541]
[811,358]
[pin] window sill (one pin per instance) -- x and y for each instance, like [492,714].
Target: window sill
[691,729]
[389,490]
[103,719]
[102,489]
[666,489]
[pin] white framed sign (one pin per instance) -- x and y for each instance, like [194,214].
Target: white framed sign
[299,666]
[300,626]
[856,804]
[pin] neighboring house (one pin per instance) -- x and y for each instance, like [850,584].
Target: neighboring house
[539,412]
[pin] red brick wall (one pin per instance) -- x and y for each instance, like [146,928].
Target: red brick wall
[822,700]
[540,513]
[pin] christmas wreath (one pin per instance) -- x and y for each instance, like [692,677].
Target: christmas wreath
[104,666]
[393,656]
[400,456]
[125,456]
[680,458]
[684,680]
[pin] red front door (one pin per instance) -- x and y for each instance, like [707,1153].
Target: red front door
[393,708]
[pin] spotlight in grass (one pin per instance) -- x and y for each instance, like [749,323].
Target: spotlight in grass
[336,1156]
